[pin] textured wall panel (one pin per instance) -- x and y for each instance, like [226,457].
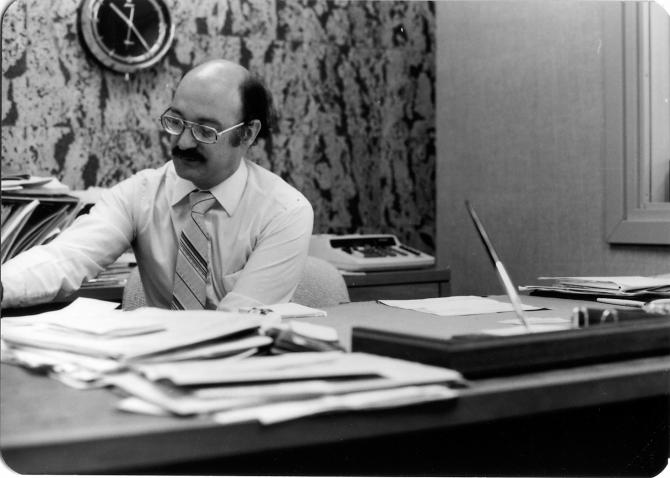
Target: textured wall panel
[353,84]
[520,133]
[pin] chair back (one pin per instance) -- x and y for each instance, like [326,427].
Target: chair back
[321,285]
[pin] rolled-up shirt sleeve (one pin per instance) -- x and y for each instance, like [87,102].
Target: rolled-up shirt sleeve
[55,270]
[276,264]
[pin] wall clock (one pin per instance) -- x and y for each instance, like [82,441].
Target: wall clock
[126,35]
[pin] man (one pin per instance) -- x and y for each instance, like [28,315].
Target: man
[209,229]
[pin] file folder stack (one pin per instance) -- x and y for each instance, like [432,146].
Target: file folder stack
[145,334]
[613,286]
[34,211]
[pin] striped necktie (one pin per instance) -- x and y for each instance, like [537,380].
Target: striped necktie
[190,280]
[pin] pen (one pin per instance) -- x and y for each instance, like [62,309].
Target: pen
[624,302]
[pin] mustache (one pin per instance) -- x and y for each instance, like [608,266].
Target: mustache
[188,154]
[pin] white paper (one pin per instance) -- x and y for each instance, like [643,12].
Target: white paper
[621,283]
[86,315]
[31,357]
[315,331]
[296,366]
[521,330]
[182,328]
[291,309]
[303,389]
[172,399]
[537,321]
[456,305]
[220,349]
[283,411]
[388,373]
[194,372]
[137,405]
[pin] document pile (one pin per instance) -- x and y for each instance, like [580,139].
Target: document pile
[615,286]
[276,388]
[114,275]
[220,364]
[81,343]
[34,211]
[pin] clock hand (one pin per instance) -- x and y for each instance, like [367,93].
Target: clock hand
[130,25]
[131,17]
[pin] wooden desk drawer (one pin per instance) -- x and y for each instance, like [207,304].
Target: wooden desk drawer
[395,292]
[399,285]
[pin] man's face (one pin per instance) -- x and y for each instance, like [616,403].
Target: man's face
[213,101]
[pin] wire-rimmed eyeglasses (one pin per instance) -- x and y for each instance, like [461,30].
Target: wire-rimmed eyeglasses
[175,125]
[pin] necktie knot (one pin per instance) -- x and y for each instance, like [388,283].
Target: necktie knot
[201,201]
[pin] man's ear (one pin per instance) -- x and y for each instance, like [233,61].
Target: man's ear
[251,130]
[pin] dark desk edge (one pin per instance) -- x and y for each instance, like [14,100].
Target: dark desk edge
[404,276]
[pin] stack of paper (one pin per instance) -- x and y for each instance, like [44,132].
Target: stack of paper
[215,363]
[251,388]
[91,338]
[124,336]
[624,286]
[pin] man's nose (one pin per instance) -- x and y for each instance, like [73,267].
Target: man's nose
[186,140]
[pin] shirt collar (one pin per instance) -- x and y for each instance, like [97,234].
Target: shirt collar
[228,192]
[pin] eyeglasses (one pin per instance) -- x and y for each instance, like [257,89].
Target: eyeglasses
[175,125]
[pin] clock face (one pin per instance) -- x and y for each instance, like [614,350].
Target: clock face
[126,35]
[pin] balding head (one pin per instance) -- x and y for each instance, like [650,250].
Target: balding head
[217,66]
[234,85]
[219,73]
[214,85]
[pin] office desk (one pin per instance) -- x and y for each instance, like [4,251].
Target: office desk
[531,424]
[396,284]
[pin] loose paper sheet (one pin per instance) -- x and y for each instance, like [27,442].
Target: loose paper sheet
[296,366]
[521,330]
[456,305]
[288,310]
[272,413]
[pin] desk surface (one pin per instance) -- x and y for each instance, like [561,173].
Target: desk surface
[46,427]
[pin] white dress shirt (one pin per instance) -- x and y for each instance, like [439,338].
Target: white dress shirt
[260,230]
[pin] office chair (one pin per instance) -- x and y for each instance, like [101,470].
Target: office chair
[321,285]
[133,292]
